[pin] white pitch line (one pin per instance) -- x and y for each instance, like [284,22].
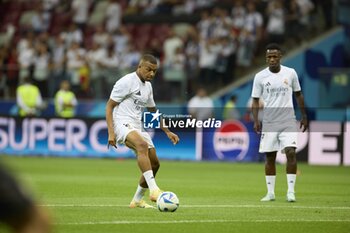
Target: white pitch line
[209,206]
[125,222]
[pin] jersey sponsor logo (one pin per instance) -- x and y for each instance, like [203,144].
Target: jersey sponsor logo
[151,119]
[231,141]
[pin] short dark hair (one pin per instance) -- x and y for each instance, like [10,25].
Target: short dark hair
[273,46]
[149,58]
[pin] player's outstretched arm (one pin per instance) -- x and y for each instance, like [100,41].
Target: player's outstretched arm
[109,119]
[303,121]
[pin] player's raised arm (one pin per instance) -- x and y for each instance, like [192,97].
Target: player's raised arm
[109,119]
[172,136]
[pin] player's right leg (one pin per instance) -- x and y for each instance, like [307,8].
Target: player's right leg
[270,176]
[269,145]
[135,141]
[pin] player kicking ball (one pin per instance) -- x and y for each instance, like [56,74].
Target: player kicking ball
[131,94]
[276,85]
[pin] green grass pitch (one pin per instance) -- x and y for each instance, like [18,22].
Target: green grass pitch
[92,195]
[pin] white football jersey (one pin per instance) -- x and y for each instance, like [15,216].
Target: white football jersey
[133,96]
[276,90]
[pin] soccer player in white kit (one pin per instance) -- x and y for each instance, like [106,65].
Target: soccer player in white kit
[276,85]
[130,96]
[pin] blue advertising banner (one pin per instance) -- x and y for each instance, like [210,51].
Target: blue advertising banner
[234,141]
[80,137]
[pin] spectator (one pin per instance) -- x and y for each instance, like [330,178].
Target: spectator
[230,110]
[201,106]
[29,99]
[191,59]
[73,34]
[94,57]
[42,69]
[170,45]
[58,50]
[3,55]
[250,36]
[26,60]
[100,36]
[40,20]
[129,59]
[80,12]
[11,71]
[292,21]
[121,38]
[205,25]
[110,62]
[113,16]
[174,73]
[75,61]
[276,22]
[65,101]
[208,53]
[305,8]
[226,59]
[238,14]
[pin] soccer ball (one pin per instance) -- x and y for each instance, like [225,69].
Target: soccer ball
[167,202]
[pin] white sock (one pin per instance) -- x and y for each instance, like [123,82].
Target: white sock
[270,183]
[151,182]
[291,178]
[140,192]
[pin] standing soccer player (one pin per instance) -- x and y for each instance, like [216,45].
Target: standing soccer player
[130,95]
[276,85]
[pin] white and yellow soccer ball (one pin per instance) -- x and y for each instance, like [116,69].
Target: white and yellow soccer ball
[167,202]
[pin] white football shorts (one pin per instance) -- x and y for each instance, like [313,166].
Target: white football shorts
[275,137]
[123,128]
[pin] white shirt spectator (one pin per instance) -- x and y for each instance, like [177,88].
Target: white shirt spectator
[201,106]
[95,55]
[275,24]
[26,56]
[170,45]
[73,35]
[238,14]
[100,36]
[208,53]
[81,11]
[41,67]
[113,14]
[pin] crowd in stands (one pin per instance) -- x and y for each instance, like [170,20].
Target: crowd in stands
[87,42]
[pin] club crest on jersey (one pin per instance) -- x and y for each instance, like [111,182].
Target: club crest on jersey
[231,141]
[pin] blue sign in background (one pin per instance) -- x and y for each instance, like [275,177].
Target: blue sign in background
[80,137]
[247,137]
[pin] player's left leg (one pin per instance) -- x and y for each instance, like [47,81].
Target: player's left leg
[288,139]
[291,170]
